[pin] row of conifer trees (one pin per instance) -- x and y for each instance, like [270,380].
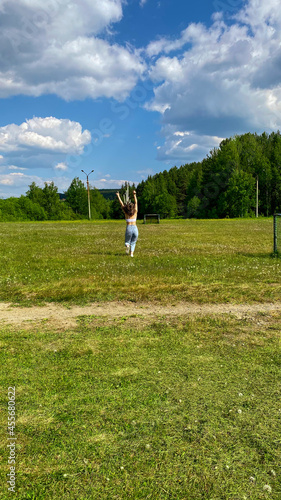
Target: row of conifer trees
[224,184]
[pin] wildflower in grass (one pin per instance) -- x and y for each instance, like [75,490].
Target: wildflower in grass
[239,411]
[272,472]
[240,394]
[252,478]
[267,488]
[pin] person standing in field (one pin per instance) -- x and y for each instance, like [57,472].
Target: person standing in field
[131,211]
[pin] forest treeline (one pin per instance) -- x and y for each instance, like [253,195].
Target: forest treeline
[222,185]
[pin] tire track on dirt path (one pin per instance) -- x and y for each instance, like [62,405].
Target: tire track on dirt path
[67,316]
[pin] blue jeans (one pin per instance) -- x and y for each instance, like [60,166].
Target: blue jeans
[131,236]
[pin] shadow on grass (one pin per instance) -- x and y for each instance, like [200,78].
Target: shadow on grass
[270,255]
[119,253]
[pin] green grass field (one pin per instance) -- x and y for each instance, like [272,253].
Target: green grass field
[162,407]
[193,260]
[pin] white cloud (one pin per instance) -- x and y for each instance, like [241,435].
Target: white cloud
[61,166]
[17,183]
[14,167]
[185,146]
[57,47]
[40,144]
[44,134]
[167,45]
[226,80]
[209,82]
[64,19]
[19,180]
[260,14]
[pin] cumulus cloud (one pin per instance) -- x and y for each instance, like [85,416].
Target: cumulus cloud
[185,146]
[225,80]
[57,47]
[17,183]
[44,134]
[209,82]
[260,14]
[19,180]
[167,45]
[40,144]
[62,166]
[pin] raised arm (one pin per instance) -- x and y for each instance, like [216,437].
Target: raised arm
[119,199]
[135,200]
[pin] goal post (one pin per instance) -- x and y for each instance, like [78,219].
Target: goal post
[277,233]
[151,218]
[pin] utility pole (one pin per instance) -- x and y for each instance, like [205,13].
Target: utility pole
[257,197]
[88,189]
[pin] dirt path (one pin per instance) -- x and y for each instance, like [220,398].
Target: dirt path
[59,315]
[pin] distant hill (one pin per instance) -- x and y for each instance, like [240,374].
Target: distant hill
[109,194]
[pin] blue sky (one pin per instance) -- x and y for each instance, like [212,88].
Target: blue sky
[130,88]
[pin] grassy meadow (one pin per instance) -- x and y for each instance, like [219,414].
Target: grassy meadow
[192,260]
[183,409]
[142,408]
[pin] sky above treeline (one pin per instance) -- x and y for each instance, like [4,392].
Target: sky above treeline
[130,88]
